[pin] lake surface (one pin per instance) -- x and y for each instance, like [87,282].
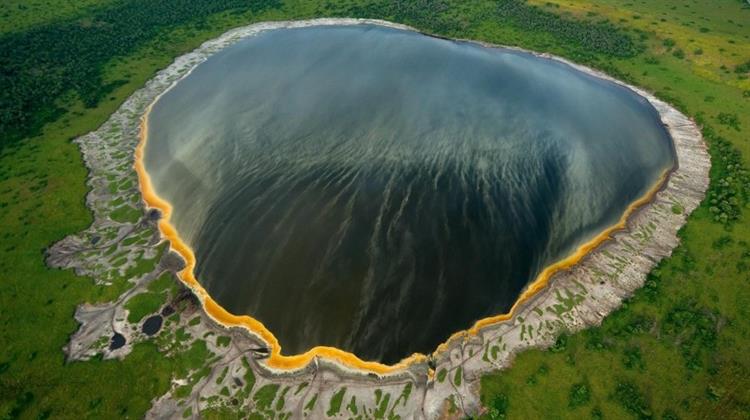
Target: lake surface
[378,190]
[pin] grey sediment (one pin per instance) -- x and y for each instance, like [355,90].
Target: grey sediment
[572,299]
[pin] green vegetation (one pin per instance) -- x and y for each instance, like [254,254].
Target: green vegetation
[681,335]
[596,38]
[42,185]
[223,341]
[265,395]
[165,282]
[75,52]
[311,403]
[579,395]
[16,15]
[675,350]
[458,376]
[143,304]
[336,399]
[352,406]
[249,376]
[126,213]
[381,401]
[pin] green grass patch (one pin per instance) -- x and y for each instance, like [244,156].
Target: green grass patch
[143,304]
[125,214]
[334,405]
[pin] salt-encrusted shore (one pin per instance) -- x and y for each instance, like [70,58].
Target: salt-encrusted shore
[445,383]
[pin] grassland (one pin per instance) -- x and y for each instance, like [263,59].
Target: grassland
[676,350]
[16,15]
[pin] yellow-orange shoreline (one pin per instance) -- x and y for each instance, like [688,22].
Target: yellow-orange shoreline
[294,362]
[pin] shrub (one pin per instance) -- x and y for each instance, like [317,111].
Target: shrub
[499,407]
[743,68]
[596,37]
[731,120]
[579,395]
[629,396]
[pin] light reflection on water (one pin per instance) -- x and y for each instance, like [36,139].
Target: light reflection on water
[377,190]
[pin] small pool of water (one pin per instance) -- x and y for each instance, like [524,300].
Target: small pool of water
[152,324]
[117,341]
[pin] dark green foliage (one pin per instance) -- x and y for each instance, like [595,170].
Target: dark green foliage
[651,287]
[533,378]
[579,395]
[41,66]
[265,396]
[422,13]
[498,409]
[714,394]
[427,15]
[670,415]
[694,330]
[743,68]
[599,38]
[592,38]
[722,242]
[595,340]
[630,324]
[633,358]
[336,400]
[596,414]
[729,190]
[731,120]
[630,397]
[560,344]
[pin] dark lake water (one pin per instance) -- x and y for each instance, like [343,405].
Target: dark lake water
[378,190]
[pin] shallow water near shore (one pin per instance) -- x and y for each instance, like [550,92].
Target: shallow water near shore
[376,190]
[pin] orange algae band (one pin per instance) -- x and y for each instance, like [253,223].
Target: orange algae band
[346,359]
[543,278]
[221,315]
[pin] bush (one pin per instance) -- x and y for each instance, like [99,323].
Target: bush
[743,68]
[729,190]
[600,37]
[579,395]
[499,407]
[561,344]
[633,358]
[628,396]
[731,120]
